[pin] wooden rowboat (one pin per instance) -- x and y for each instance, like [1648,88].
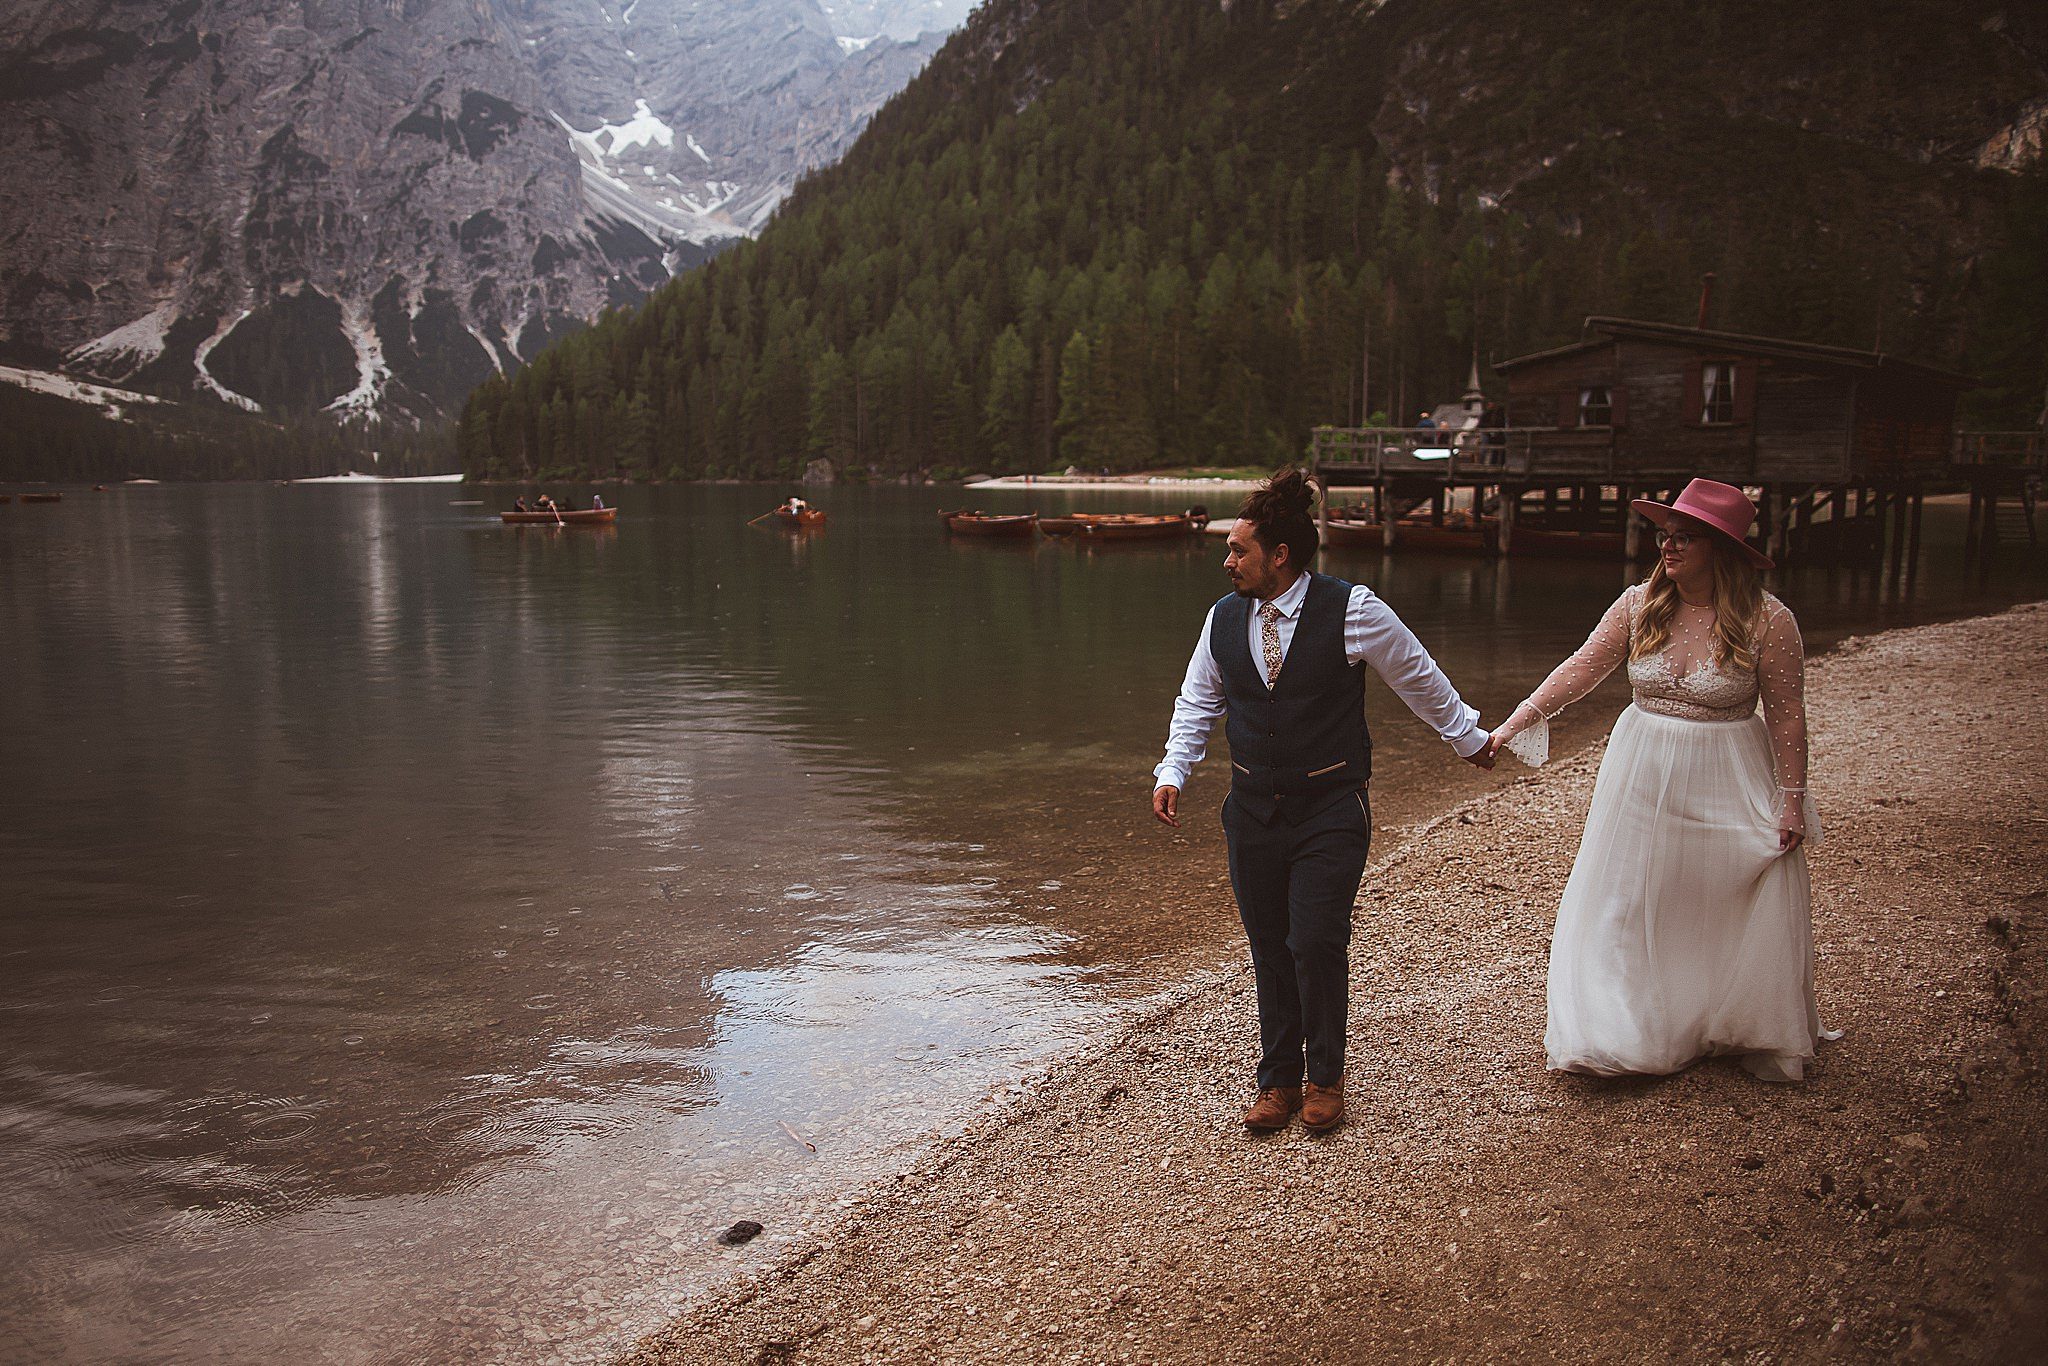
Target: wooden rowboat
[966,523]
[1457,536]
[799,520]
[1120,526]
[566,517]
[1349,534]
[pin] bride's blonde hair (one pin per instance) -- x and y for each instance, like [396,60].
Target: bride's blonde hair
[1738,604]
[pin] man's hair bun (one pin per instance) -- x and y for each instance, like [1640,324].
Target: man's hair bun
[1283,513]
[1293,492]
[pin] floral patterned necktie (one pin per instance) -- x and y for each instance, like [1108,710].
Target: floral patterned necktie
[1269,636]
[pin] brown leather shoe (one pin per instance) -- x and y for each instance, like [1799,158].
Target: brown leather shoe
[1322,1107]
[1274,1107]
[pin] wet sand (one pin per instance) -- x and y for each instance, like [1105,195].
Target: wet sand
[1477,1207]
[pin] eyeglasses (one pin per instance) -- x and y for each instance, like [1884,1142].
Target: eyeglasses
[1677,540]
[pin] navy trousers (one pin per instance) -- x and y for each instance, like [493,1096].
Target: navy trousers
[1295,885]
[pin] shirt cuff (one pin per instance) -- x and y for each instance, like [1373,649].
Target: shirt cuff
[1470,740]
[1166,775]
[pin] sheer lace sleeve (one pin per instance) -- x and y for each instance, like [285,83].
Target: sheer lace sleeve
[1526,732]
[1781,679]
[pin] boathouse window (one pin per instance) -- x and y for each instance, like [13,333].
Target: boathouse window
[1596,406]
[1717,392]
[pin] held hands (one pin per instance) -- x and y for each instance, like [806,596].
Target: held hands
[1166,805]
[1484,756]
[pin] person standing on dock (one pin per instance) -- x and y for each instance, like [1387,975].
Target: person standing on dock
[1282,659]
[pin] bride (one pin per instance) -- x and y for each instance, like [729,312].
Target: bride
[1685,928]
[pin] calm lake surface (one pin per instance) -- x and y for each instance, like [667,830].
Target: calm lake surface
[422,937]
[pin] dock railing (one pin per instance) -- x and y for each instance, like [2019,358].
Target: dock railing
[1470,453]
[2002,450]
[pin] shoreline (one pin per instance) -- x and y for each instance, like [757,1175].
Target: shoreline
[1475,1204]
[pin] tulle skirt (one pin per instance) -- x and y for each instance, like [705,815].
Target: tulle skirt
[1683,930]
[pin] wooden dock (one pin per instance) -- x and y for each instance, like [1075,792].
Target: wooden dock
[1838,447]
[1542,487]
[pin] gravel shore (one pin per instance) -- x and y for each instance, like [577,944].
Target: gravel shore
[1476,1207]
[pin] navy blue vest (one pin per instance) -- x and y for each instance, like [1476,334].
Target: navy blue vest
[1303,744]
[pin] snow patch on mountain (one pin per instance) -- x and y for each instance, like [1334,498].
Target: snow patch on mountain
[109,400]
[206,379]
[128,347]
[372,374]
[612,139]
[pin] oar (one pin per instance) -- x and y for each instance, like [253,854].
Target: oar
[763,517]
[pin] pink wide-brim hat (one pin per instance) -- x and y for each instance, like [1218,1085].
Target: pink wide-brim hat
[1721,506]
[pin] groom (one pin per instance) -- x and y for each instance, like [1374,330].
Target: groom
[1284,659]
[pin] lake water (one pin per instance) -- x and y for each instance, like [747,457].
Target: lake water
[422,937]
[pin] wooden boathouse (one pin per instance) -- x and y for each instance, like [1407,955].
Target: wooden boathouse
[1834,442]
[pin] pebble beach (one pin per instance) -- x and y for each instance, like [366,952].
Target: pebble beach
[1475,1206]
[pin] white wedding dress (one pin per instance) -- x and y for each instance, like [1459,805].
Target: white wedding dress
[1684,930]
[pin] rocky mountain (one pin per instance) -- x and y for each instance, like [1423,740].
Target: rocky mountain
[369,206]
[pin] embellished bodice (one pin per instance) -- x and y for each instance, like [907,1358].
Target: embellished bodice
[1709,691]
[1685,679]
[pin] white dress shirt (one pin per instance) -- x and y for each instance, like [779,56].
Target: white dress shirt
[1373,636]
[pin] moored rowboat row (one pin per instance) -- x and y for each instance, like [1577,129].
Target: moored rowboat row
[1117,526]
[1090,526]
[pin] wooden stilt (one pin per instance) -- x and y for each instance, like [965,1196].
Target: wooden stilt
[1510,500]
[1917,497]
[1631,528]
[1776,539]
[1987,539]
[1898,534]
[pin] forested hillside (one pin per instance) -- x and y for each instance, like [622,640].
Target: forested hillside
[1128,234]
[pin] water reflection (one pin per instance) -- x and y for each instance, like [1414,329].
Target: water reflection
[419,932]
